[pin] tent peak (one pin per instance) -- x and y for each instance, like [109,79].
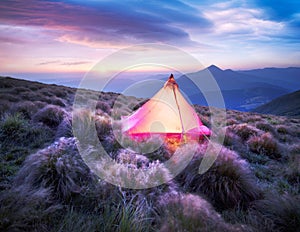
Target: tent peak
[171,81]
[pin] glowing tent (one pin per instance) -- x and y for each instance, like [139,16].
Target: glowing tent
[168,114]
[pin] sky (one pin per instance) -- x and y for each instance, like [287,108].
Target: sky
[55,36]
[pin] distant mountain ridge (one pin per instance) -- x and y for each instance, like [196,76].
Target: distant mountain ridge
[287,105]
[241,90]
[286,77]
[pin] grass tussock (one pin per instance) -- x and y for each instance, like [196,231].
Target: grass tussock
[26,108]
[4,107]
[57,101]
[30,210]
[266,127]
[229,183]
[283,211]
[50,116]
[128,174]
[266,145]
[64,129]
[9,97]
[292,171]
[18,138]
[188,212]
[244,131]
[18,131]
[58,167]
[84,127]
[103,106]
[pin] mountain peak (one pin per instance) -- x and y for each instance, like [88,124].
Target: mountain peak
[214,68]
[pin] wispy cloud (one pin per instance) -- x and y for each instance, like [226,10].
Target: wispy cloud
[75,63]
[49,62]
[108,22]
[58,62]
[243,21]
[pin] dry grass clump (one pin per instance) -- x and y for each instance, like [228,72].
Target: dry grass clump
[128,174]
[103,106]
[26,108]
[9,97]
[91,129]
[188,212]
[30,96]
[202,110]
[57,101]
[59,92]
[244,131]
[162,153]
[266,127]
[229,183]
[254,118]
[283,130]
[283,211]
[81,220]
[45,92]
[18,137]
[40,104]
[58,167]
[103,126]
[265,144]
[64,129]
[231,121]
[292,171]
[153,147]
[205,120]
[20,89]
[28,210]
[250,220]
[16,130]
[50,115]
[231,139]
[47,100]
[84,127]
[34,86]
[4,107]
[135,159]
[109,98]
[4,84]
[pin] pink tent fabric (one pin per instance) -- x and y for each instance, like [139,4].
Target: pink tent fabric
[167,113]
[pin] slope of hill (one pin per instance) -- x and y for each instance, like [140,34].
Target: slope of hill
[46,186]
[287,105]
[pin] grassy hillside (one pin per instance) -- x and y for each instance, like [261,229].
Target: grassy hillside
[287,105]
[46,186]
